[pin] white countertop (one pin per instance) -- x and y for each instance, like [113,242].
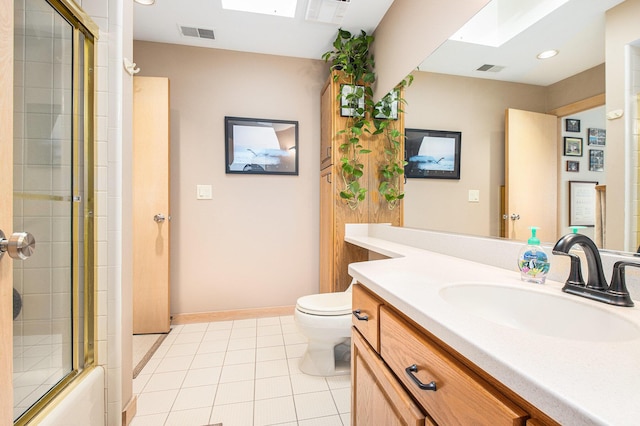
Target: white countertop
[572,381]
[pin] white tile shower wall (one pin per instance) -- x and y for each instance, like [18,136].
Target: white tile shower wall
[108,241]
[110,17]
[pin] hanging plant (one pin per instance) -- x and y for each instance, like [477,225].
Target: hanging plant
[385,122]
[351,56]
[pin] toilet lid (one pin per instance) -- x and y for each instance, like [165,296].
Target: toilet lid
[326,304]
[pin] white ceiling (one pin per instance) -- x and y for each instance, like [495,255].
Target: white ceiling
[576,29]
[250,32]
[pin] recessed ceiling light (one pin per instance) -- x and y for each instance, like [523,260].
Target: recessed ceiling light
[145,2]
[286,8]
[547,54]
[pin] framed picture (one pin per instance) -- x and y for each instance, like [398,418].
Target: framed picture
[596,160]
[351,100]
[387,107]
[573,166]
[572,146]
[432,154]
[582,203]
[597,137]
[571,125]
[258,146]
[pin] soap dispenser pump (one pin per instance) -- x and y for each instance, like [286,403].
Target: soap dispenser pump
[533,261]
[575,228]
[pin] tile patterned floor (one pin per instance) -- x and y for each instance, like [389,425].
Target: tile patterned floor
[238,373]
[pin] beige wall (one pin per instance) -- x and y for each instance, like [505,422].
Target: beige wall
[577,87]
[272,221]
[420,27]
[475,107]
[255,244]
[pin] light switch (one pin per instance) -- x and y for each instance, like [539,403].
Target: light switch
[474,196]
[204,192]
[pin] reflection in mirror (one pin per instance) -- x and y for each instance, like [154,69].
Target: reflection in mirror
[467,87]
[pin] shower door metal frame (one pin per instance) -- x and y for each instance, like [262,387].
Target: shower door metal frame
[85,33]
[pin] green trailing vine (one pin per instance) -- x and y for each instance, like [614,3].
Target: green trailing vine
[392,171]
[351,56]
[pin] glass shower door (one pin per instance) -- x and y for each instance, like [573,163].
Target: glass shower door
[47,162]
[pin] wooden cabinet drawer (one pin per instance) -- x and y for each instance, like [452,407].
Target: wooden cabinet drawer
[366,309]
[461,397]
[377,396]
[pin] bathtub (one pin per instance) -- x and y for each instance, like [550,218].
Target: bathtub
[80,405]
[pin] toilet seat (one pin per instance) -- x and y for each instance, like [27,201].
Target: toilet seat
[325,304]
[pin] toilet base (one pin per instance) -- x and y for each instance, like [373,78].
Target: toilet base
[320,360]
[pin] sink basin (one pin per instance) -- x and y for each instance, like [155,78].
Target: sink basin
[541,313]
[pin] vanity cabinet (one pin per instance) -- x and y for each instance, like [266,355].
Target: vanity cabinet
[378,398]
[392,355]
[335,253]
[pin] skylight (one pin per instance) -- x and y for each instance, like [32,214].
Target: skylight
[286,8]
[501,20]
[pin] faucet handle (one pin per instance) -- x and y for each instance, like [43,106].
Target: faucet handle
[618,285]
[575,273]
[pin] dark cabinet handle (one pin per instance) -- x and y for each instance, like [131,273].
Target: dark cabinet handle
[360,317]
[414,369]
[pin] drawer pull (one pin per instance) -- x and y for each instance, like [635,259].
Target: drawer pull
[360,317]
[414,369]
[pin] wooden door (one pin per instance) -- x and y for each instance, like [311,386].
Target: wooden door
[377,397]
[6,209]
[151,308]
[531,174]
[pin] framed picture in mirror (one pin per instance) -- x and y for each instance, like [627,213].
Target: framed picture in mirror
[582,203]
[597,137]
[573,166]
[432,154]
[572,146]
[596,160]
[571,125]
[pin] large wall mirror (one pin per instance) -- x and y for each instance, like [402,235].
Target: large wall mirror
[467,84]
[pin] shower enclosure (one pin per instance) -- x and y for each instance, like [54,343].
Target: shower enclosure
[53,200]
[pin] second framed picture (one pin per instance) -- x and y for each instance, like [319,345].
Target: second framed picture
[259,146]
[596,160]
[572,125]
[573,166]
[573,146]
[432,154]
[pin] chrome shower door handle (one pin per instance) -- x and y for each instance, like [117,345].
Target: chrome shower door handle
[20,245]
[159,218]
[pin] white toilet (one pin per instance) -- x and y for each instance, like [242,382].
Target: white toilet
[325,319]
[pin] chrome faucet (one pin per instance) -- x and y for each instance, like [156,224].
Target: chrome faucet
[596,287]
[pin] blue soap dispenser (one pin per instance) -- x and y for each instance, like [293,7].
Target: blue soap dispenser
[533,261]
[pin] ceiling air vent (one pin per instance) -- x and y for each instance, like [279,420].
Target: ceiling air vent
[490,68]
[327,11]
[197,32]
